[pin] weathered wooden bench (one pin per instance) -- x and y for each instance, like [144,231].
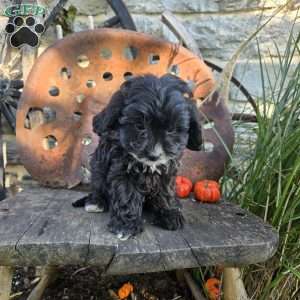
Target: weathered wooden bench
[39,227]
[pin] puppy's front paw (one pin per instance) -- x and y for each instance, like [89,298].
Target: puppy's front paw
[171,219]
[93,208]
[124,231]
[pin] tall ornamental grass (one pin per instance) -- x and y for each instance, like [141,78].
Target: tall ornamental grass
[267,181]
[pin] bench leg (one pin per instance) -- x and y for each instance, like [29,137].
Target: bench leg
[234,288]
[184,275]
[49,274]
[6,274]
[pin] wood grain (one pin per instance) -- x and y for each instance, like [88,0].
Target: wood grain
[6,274]
[40,227]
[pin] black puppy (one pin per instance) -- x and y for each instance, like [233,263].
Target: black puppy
[143,132]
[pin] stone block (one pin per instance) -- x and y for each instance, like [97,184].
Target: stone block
[200,6]
[249,73]
[219,36]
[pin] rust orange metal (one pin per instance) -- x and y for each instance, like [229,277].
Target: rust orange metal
[75,78]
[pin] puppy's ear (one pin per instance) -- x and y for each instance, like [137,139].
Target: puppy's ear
[172,82]
[195,134]
[107,119]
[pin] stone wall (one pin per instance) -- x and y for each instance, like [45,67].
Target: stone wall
[218,26]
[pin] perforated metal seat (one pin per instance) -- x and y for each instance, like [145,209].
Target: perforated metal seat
[75,78]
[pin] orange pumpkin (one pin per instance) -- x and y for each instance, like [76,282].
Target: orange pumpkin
[183,186]
[125,290]
[207,191]
[212,286]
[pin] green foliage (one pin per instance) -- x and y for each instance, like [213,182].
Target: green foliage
[66,19]
[268,184]
[266,177]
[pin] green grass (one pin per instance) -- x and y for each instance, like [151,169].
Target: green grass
[266,178]
[268,183]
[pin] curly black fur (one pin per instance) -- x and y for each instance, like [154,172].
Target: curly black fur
[143,132]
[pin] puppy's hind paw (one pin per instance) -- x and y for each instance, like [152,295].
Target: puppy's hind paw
[93,208]
[170,219]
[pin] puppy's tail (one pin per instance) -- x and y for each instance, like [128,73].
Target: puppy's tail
[80,202]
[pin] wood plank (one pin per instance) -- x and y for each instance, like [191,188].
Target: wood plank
[103,244]
[139,254]
[224,234]
[17,215]
[46,230]
[61,234]
[175,252]
[153,250]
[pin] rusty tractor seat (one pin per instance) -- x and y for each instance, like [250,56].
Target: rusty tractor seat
[75,78]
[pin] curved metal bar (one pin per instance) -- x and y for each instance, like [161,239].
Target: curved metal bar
[122,12]
[113,21]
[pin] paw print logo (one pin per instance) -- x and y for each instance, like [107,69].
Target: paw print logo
[24,31]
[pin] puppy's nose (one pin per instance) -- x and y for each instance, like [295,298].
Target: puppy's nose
[153,157]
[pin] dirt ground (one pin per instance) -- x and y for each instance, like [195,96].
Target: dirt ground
[75,283]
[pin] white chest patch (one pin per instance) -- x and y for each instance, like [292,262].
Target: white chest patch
[158,151]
